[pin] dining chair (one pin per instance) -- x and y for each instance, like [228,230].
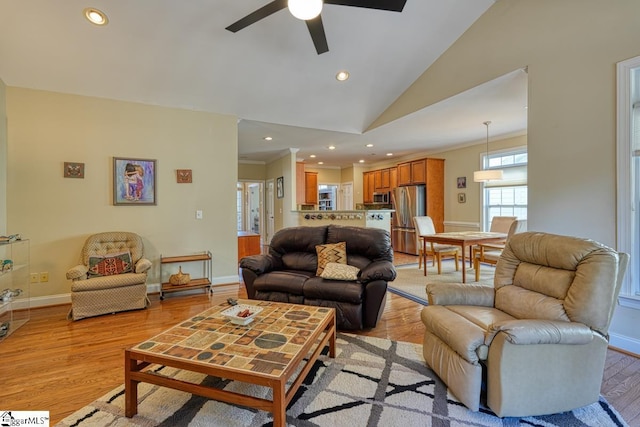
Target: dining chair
[489,253]
[499,224]
[424,226]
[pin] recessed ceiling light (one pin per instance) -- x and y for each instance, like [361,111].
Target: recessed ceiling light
[369,145]
[361,160]
[268,138]
[321,163]
[332,147]
[96,16]
[389,154]
[342,75]
[313,156]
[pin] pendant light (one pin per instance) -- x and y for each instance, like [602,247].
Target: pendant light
[485,175]
[305,9]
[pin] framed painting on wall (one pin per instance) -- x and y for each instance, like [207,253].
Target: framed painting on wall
[134,181]
[280,187]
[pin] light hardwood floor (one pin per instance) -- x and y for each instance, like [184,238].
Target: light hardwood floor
[57,365]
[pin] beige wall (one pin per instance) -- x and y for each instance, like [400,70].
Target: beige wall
[252,171]
[326,175]
[3,158]
[57,214]
[463,162]
[571,48]
[284,167]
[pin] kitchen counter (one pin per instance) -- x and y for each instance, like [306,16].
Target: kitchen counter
[375,218]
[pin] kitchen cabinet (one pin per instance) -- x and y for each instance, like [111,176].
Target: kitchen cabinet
[368,185]
[411,173]
[300,184]
[382,180]
[393,178]
[14,286]
[434,180]
[311,188]
[248,244]
[194,283]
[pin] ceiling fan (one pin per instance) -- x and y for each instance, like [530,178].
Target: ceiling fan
[314,24]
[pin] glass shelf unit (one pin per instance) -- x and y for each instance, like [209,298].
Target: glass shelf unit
[14,286]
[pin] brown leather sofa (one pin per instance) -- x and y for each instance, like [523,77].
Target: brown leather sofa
[288,272]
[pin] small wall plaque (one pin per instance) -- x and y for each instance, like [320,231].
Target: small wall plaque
[462,197]
[184,176]
[462,182]
[73,170]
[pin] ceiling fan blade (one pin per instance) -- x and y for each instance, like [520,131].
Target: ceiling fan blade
[316,29]
[257,15]
[390,5]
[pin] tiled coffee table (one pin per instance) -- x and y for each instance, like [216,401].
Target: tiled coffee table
[266,352]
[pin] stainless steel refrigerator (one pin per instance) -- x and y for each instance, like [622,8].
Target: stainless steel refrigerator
[408,202]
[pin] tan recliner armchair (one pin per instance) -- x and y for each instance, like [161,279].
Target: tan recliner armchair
[98,285]
[538,338]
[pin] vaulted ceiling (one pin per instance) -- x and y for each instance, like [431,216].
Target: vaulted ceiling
[179,54]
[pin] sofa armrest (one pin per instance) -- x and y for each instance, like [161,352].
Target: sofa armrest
[538,331]
[260,264]
[143,265]
[377,270]
[77,272]
[460,294]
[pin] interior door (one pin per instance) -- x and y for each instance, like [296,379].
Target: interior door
[346,196]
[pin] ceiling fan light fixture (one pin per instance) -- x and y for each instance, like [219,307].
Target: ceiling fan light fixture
[305,9]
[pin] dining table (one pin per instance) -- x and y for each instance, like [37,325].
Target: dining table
[464,239]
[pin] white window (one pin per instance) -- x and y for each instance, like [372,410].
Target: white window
[239,207]
[628,171]
[507,197]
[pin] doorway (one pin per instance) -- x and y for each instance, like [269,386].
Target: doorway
[250,209]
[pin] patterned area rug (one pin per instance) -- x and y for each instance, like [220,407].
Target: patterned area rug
[411,282]
[372,382]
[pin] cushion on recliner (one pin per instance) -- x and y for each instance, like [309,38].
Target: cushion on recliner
[333,290]
[297,239]
[371,243]
[300,261]
[282,281]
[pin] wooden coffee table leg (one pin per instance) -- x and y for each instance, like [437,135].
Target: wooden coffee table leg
[130,386]
[332,339]
[279,405]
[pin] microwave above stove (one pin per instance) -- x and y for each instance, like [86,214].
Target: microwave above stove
[381,197]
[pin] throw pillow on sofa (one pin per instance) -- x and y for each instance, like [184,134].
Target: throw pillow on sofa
[335,271]
[333,252]
[110,264]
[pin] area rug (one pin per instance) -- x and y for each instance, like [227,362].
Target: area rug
[411,282]
[371,382]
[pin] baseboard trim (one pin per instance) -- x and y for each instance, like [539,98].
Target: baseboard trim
[219,284]
[45,301]
[630,345]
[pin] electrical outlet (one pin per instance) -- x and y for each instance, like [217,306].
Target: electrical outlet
[44,276]
[198,214]
[34,277]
